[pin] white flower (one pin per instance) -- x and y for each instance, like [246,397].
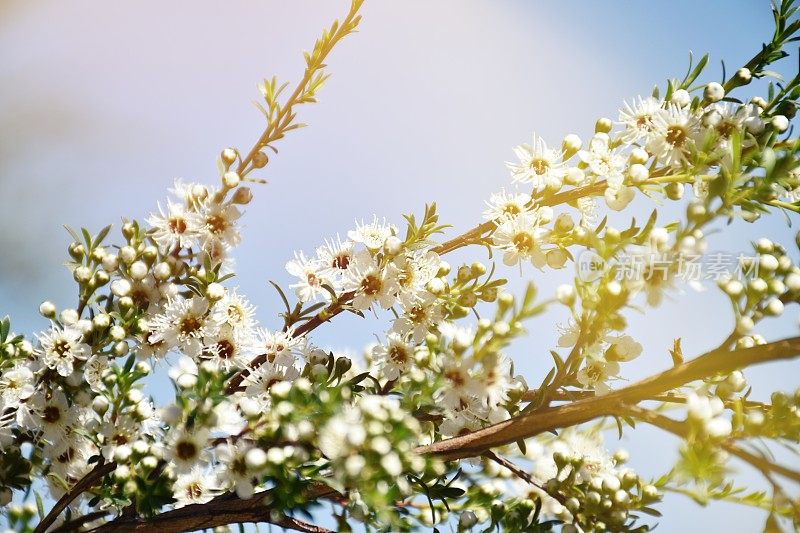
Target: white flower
[421,312]
[416,269]
[538,164]
[235,472]
[184,324]
[261,380]
[228,418]
[370,283]
[145,294]
[461,387]
[193,487]
[228,349]
[674,135]
[235,311]
[68,455]
[502,204]
[122,431]
[595,373]
[335,256]
[569,334]
[603,160]
[175,227]
[50,413]
[94,370]
[495,380]
[311,279]
[623,348]
[219,223]
[15,385]
[61,347]
[394,357]
[185,448]
[653,273]
[191,193]
[372,234]
[638,119]
[280,347]
[589,446]
[521,239]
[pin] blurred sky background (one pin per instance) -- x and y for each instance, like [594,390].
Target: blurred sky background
[103,104]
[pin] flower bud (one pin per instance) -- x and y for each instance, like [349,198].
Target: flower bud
[69,317]
[681,98]
[574,176]
[564,223]
[120,287]
[122,472]
[393,245]
[138,270]
[82,274]
[674,191]
[744,75]
[260,160]
[122,453]
[565,294]
[100,278]
[570,145]
[603,125]
[242,196]
[744,325]
[774,307]
[779,123]
[231,179]
[639,156]
[47,309]
[215,291]
[162,271]
[228,156]
[100,405]
[713,92]
[110,262]
[638,173]
[255,459]
[121,348]
[556,258]
[127,254]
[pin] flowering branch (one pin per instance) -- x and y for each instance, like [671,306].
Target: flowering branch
[264,424]
[536,422]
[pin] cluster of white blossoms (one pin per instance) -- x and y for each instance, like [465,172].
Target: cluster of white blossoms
[657,139]
[267,416]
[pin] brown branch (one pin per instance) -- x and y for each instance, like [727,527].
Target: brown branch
[77,523]
[678,428]
[547,419]
[88,481]
[222,510]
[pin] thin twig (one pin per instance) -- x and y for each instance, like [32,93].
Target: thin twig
[88,481]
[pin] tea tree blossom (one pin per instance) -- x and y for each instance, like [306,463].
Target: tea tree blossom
[521,239]
[433,427]
[538,164]
[371,283]
[61,347]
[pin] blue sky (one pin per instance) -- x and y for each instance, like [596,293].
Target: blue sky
[104,105]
